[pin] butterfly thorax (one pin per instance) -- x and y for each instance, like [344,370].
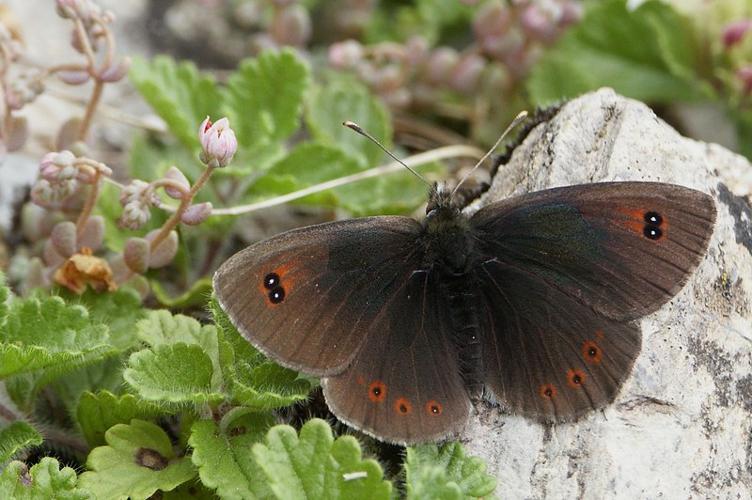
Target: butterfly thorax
[446,233]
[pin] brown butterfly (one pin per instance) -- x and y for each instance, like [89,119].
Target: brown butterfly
[533,299]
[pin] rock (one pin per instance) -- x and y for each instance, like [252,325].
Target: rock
[682,424]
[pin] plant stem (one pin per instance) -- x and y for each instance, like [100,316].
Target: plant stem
[91,107]
[174,220]
[89,205]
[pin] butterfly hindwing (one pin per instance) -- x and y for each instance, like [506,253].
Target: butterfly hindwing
[546,355]
[307,297]
[622,249]
[404,386]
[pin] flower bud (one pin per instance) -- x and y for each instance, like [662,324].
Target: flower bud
[466,75]
[134,215]
[538,23]
[63,238]
[218,142]
[440,64]
[74,77]
[493,19]
[291,26]
[735,32]
[51,257]
[116,72]
[174,174]
[165,252]
[344,55]
[196,214]
[92,235]
[136,255]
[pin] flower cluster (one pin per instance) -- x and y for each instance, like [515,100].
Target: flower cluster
[511,35]
[68,253]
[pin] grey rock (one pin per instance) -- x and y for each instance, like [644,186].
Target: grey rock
[682,424]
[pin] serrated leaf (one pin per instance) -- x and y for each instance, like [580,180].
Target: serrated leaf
[47,333]
[314,465]
[180,94]
[44,480]
[255,380]
[176,373]
[96,413]
[445,472]
[601,51]
[264,97]
[119,310]
[341,100]
[138,461]
[105,375]
[16,437]
[224,459]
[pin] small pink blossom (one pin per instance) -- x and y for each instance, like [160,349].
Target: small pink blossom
[196,214]
[734,32]
[218,142]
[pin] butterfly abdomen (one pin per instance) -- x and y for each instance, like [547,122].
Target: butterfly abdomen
[461,296]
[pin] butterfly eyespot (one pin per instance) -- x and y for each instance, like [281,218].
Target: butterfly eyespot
[576,378]
[591,352]
[271,281]
[277,295]
[433,408]
[403,406]
[653,218]
[377,391]
[652,232]
[547,391]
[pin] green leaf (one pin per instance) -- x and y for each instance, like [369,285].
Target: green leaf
[118,310]
[314,465]
[106,375]
[47,333]
[445,472]
[647,53]
[138,461]
[255,380]
[224,459]
[178,93]
[177,373]
[16,437]
[98,412]
[264,97]
[341,100]
[43,480]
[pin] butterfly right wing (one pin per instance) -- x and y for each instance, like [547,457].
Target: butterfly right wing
[306,297]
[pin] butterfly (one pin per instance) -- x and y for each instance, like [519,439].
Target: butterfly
[532,300]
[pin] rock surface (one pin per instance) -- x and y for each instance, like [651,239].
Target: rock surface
[682,424]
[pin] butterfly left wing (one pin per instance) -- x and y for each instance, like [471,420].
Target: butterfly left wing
[404,386]
[622,249]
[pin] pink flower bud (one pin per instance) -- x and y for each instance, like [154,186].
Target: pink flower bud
[218,142]
[63,238]
[136,255]
[440,64]
[51,256]
[466,75]
[165,252]
[538,23]
[734,32]
[175,175]
[134,215]
[196,214]
[344,55]
[493,19]
[116,72]
[74,77]
[291,26]
[92,234]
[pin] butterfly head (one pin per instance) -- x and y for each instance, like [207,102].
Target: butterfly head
[441,203]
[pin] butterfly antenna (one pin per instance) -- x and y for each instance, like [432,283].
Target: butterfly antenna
[517,119]
[354,126]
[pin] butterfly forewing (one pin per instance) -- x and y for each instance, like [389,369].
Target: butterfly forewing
[622,249]
[307,297]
